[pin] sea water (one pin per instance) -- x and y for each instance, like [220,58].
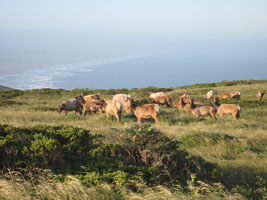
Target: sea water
[174,67]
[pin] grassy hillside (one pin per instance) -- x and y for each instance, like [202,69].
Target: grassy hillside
[50,155]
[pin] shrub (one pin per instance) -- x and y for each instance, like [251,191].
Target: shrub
[159,159]
[10,94]
[60,148]
[142,151]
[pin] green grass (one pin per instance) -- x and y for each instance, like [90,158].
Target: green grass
[237,147]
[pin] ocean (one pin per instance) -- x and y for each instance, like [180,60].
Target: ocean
[175,67]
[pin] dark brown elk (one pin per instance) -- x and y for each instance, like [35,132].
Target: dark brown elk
[146,111]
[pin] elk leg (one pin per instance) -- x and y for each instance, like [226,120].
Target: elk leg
[157,121]
[139,120]
[85,113]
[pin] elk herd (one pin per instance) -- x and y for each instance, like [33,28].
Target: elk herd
[121,103]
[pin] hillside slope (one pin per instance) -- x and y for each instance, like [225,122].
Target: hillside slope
[128,162]
[4,88]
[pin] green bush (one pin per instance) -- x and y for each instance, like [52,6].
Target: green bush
[42,92]
[142,151]
[10,94]
[7,102]
[159,159]
[60,148]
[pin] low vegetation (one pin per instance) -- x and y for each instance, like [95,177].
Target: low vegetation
[47,155]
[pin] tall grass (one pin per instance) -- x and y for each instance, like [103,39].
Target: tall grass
[42,184]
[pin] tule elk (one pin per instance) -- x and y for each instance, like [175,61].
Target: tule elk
[114,108]
[260,95]
[203,110]
[125,100]
[146,111]
[228,109]
[72,105]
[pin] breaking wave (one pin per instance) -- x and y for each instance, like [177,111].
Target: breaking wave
[55,76]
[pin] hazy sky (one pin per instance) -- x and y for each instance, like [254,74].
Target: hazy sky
[171,18]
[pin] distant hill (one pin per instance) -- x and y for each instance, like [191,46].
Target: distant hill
[4,88]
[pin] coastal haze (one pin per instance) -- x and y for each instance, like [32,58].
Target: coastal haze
[122,44]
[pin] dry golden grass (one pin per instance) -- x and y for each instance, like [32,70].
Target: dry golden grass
[46,187]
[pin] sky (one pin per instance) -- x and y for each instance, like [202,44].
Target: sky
[36,33]
[172,18]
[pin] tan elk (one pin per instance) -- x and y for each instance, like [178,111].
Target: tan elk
[114,108]
[260,95]
[228,109]
[166,99]
[203,110]
[146,111]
